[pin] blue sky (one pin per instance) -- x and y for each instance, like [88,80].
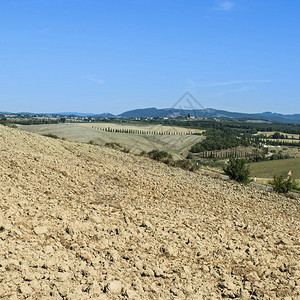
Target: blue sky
[112,56]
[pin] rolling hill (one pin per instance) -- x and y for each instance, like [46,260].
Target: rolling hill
[79,221]
[174,112]
[210,113]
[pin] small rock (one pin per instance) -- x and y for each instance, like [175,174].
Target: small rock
[139,264]
[114,287]
[25,289]
[146,224]
[252,276]
[38,230]
[158,272]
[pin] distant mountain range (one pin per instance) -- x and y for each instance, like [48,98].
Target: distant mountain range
[209,113]
[175,112]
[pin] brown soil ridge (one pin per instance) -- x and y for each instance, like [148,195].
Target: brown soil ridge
[79,221]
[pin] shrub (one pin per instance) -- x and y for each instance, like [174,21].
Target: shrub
[237,169]
[281,184]
[160,156]
[116,146]
[190,155]
[126,150]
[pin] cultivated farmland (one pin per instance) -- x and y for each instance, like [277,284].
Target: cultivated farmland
[176,140]
[79,221]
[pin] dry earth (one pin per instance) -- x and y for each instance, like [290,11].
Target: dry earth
[79,222]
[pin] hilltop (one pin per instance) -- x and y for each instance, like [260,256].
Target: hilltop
[79,221]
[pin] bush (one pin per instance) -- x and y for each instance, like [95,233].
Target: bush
[281,184]
[237,169]
[126,150]
[160,156]
[190,155]
[116,146]
[167,158]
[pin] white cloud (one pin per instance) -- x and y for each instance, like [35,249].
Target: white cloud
[225,5]
[99,81]
[234,82]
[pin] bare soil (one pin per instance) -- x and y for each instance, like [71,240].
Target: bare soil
[87,222]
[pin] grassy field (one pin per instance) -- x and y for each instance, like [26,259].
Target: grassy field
[178,145]
[267,169]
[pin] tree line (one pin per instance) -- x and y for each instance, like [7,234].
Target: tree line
[141,132]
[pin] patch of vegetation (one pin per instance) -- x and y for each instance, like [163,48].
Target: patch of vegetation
[238,170]
[278,135]
[281,184]
[219,140]
[241,126]
[211,163]
[279,155]
[163,156]
[190,155]
[167,158]
[5,122]
[126,150]
[116,146]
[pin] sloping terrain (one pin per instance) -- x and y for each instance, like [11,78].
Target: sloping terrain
[83,132]
[79,222]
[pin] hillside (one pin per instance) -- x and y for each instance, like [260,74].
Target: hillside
[136,143]
[81,221]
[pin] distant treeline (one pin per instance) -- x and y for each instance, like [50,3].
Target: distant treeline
[237,125]
[282,143]
[278,135]
[220,140]
[142,132]
[29,121]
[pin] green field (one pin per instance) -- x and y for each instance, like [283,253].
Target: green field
[177,144]
[267,169]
